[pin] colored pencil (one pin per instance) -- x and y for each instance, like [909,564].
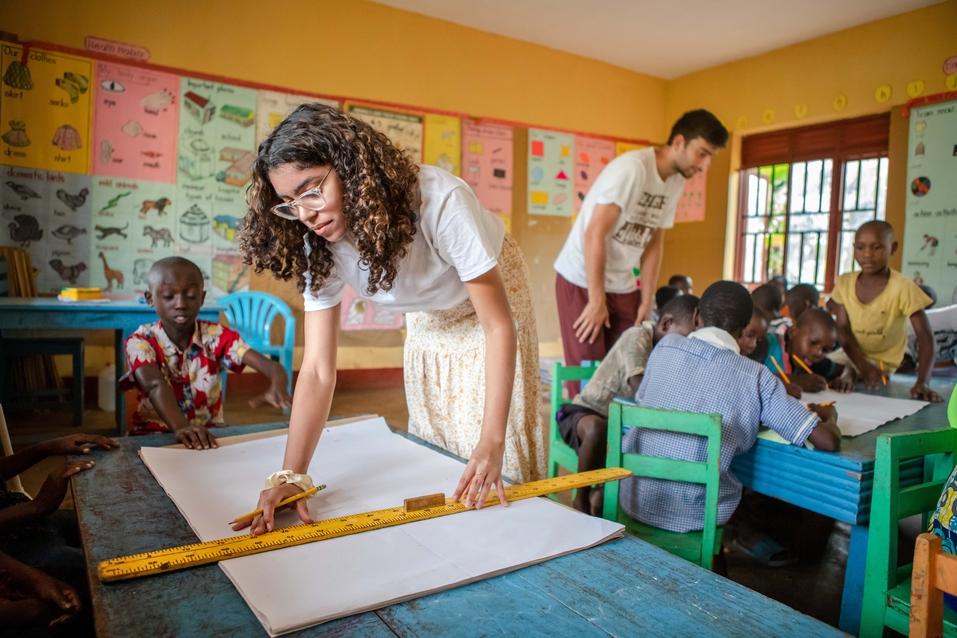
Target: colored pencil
[286,501]
[801,363]
[883,376]
[777,366]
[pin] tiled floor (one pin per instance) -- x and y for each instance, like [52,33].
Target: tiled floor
[813,588]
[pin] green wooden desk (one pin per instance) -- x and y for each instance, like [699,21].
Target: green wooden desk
[622,588]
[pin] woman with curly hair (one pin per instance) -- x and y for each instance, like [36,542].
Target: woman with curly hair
[334,202]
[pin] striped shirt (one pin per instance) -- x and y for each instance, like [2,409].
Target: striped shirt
[692,375]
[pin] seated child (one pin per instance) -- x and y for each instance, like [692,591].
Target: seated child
[583,423]
[800,298]
[872,307]
[41,561]
[768,299]
[944,524]
[682,283]
[753,342]
[808,342]
[705,373]
[662,296]
[175,362]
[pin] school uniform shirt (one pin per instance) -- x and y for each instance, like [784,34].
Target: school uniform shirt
[943,325]
[192,373]
[879,326]
[456,240]
[626,359]
[705,374]
[631,182]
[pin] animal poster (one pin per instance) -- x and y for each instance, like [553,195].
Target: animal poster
[692,203]
[135,123]
[443,142]
[216,152]
[404,129]
[272,108]
[487,165]
[45,110]
[48,214]
[358,313]
[930,232]
[623,147]
[551,185]
[591,156]
[134,224]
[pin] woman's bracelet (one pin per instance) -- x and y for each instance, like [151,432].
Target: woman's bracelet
[283,477]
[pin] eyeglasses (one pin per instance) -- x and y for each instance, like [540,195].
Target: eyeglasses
[312,199]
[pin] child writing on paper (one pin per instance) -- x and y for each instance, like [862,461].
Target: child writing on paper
[705,373]
[583,423]
[175,363]
[42,569]
[799,348]
[753,342]
[872,307]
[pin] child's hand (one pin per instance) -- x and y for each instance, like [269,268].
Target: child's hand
[826,412]
[196,437]
[54,488]
[793,389]
[841,384]
[872,377]
[276,394]
[62,601]
[77,444]
[810,382]
[923,392]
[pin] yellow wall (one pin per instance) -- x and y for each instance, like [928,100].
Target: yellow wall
[854,62]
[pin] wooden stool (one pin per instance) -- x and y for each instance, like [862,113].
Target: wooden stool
[14,347]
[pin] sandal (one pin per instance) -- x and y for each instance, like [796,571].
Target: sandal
[766,551]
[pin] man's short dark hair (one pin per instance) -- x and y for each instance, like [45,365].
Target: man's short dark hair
[681,308]
[665,294]
[726,305]
[703,124]
[767,298]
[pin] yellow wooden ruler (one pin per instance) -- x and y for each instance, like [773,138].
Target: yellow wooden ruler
[186,556]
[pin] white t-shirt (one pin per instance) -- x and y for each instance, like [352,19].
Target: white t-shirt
[456,240]
[631,182]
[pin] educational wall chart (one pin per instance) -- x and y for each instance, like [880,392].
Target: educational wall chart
[930,237]
[591,156]
[272,108]
[216,152]
[487,164]
[551,185]
[404,129]
[692,203]
[443,142]
[361,314]
[47,213]
[135,123]
[45,110]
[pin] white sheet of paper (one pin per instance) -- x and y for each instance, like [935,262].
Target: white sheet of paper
[365,467]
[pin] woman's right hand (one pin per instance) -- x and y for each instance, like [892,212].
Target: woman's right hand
[268,500]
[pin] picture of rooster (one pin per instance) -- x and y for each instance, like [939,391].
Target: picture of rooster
[25,229]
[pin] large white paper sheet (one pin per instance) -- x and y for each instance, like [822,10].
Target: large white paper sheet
[365,467]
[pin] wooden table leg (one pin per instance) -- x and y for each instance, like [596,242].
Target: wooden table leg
[850,620]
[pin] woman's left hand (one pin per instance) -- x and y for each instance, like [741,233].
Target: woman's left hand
[483,472]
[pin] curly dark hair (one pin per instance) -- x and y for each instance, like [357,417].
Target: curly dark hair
[379,201]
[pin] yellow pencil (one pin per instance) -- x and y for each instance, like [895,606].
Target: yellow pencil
[777,366]
[883,376]
[801,363]
[286,501]
[826,404]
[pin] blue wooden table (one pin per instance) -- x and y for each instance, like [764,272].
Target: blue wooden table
[122,317]
[838,484]
[621,588]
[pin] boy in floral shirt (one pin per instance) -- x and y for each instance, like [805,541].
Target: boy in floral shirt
[175,362]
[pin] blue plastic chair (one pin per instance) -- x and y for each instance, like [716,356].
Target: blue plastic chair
[252,314]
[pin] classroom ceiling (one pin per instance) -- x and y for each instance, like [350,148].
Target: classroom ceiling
[662,39]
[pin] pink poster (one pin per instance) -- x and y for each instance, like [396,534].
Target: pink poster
[487,164]
[358,313]
[591,156]
[691,205]
[135,123]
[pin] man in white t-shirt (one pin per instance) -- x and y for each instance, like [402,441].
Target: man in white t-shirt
[621,225]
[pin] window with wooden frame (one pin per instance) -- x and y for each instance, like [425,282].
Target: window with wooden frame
[803,192]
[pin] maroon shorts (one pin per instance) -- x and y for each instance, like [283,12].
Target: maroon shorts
[622,310]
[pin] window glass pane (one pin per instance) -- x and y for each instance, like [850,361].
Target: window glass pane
[797,186]
[826,187]
[882,190]
[867,192]
[779,197]
[812,191]
[851,174]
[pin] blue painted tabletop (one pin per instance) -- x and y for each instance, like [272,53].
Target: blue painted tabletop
[622,588]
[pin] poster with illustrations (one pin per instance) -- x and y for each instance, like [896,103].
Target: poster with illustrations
[591,156]
[404,129]
[487,165]
[217,130]
[45,110]
[623,147]
[358,313]
[443,142]
[135,116]
[272,107]
[930,233]
[692,203]
[47,213]
[133,225]
[551,185]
